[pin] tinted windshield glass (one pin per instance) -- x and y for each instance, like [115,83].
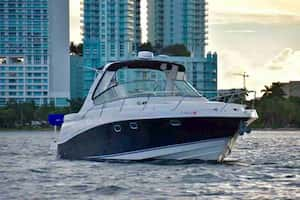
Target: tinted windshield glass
[129,75]
[141,83]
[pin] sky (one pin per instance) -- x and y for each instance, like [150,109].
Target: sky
[260,37]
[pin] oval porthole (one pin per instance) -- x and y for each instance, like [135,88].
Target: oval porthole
[117,128]
[175,122]
[133,125]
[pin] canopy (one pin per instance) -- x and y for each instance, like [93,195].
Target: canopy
[146,64]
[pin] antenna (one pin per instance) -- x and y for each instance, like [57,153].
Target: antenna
[93,69]
[245,76]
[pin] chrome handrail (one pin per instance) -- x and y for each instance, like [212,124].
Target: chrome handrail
[102,109]
[178,104]
[233,96]
[122,105]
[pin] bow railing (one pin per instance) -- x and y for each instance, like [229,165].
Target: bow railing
[239,97]
[246,97]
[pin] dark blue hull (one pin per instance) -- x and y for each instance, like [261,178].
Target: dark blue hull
[138,135]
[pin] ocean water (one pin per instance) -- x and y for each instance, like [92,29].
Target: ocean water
[263,165]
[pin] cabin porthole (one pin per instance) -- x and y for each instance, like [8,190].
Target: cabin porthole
[117,128]
[133,125]
[175,123]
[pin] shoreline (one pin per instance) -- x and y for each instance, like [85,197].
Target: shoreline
[276,129]
[26,129]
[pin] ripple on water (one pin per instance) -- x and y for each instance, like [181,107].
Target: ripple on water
[39,170]
[237,163]
[296,184]
[109,190]
[264,165]
[201,178]
[290,176]
[261,177]
[12,154]
[82,187]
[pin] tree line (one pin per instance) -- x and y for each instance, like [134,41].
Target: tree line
[275,110]
[21,115]
[171,50]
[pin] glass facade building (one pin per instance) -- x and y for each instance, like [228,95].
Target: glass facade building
[178,22]
[111,31]
[185,22]
[31,39]
[76,79]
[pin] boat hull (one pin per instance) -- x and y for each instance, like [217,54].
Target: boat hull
[206,150]
[173,139]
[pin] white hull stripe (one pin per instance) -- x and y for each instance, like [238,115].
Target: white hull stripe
[206,150]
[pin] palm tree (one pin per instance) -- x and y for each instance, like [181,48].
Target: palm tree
[274,91]
[277,90]
[146,47]
[267,91]
[73,48]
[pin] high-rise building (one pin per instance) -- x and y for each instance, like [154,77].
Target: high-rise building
[76,78]
[178,22]
[34,51]
[111,30]
[184,22]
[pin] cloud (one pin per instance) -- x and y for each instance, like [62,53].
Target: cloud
[281,59]
[286,64]
[266,16]
[240,31]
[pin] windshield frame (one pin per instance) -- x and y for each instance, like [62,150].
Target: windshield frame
[117,84]
[148,93]
[173,73]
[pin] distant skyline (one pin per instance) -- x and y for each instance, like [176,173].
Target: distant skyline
[261,37]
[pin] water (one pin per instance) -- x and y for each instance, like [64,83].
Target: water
[263,165]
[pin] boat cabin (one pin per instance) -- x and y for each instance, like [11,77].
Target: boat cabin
[140,78]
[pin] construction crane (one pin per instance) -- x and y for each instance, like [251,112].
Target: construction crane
[245,76]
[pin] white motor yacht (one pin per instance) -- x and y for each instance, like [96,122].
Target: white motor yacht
[144,109]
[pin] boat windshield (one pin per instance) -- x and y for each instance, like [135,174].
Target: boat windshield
[129,83]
